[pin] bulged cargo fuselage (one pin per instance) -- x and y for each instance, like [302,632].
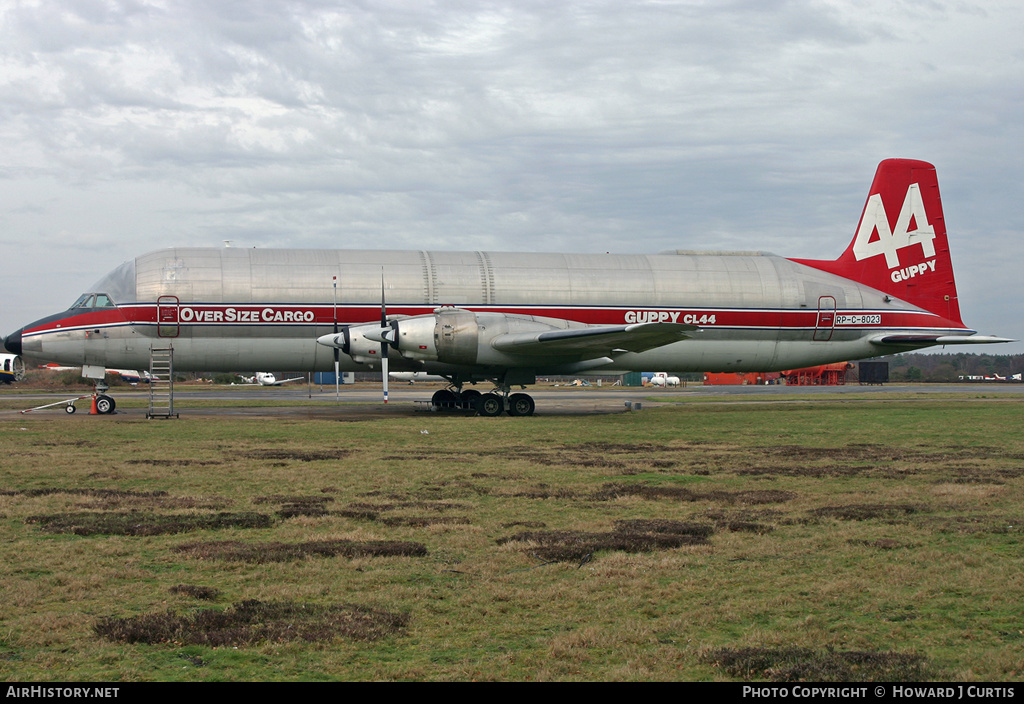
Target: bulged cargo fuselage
[242,309]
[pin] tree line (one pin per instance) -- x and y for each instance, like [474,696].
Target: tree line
[950,366]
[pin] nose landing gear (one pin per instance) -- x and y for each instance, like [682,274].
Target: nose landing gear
[105,404]
[102,404]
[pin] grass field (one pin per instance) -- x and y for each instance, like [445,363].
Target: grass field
[825,540]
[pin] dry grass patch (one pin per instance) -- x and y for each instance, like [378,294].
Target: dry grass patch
[795,664]
[99,493]
[455,489]
[255,622]
[316,506]
[662,526]
[137,524]
[676,493]
[156,502]
[438,506]
[237,551]
[196,592]
[866,512]
[175,463]
[742,514]
[869,452]
[293,506]
[292,499]
[619,456]
[545,492]
[67,443]
[641,535]
[424,521]
[358,512]
[298,455]
[303,509]
[877,460]
[980,475]
[976,524]
[745,527]
[825,471]
[881,543]
[422,455]
[524,524]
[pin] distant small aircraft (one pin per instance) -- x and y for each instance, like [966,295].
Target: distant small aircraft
[11,368]
[132,376]
[268,379]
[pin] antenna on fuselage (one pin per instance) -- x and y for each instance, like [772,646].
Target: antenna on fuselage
[337,381]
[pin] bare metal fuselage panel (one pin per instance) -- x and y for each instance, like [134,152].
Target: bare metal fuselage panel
[243,309]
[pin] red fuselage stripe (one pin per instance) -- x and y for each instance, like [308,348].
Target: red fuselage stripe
[324,315]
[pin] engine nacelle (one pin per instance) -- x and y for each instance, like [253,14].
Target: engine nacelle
[414,338]
[355,343]
[448,336]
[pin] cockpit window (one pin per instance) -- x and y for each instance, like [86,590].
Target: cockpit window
[93,300]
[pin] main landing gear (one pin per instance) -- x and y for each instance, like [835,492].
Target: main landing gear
[489,404]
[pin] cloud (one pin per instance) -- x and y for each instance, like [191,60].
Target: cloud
[591,126]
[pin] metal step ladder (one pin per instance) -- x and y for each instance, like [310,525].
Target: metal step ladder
[161,383]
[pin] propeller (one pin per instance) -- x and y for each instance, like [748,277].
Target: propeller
[383,338]
[345,337]
[337,366]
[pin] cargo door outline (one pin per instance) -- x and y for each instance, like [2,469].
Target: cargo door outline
[826,321]
[167,320]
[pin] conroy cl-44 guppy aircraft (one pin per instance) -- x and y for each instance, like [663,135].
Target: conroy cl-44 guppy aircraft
[508,317]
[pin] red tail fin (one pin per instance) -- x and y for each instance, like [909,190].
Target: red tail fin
[900,245]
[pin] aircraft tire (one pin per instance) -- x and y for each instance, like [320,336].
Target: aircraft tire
[105,404]
[444,400]
[521,405]
[469,398]
[69,409]
[490,405]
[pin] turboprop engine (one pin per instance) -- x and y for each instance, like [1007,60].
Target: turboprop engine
[448,336]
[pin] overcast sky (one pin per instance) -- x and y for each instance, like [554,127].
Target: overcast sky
[524,125]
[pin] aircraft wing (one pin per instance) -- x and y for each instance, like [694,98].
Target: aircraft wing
[925,340]
[596,341]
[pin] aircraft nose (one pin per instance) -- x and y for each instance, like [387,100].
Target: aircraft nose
[13,342]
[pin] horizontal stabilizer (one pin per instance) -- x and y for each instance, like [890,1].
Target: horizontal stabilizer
[922,340]
[594,341]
